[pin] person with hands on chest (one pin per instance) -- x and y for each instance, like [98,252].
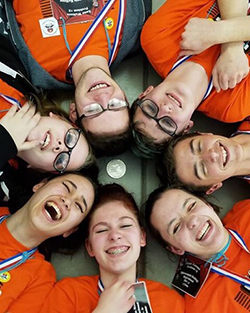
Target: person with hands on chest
[57,208]
[114,239]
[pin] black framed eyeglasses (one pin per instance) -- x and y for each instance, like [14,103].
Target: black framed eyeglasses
[71,138]
[151,109]
[95,109]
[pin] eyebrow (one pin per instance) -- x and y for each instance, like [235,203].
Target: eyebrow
[173,220]
[191,144]
[75,187]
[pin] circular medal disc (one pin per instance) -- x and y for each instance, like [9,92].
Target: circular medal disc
[116,168]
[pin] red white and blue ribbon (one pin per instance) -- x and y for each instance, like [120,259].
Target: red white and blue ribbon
[16,260]
[11,100]
[100,17]
[243,280]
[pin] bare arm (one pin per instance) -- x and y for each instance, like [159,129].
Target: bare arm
[232,65]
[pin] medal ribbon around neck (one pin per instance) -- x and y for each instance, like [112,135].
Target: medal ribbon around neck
[243,280]
[16,260]
[93,27]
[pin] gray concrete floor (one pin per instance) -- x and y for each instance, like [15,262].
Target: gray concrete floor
[140,179]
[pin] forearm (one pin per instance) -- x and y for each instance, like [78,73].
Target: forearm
[233,30]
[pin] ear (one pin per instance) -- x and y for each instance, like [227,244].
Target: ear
[188,127]
[38,186]
[69,232]
[143,238]
[213,188]
[72,112]
[175,250]
[145,92]
[89,248]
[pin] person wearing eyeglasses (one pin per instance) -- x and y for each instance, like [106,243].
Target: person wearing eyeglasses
[61,48]
[56,209]
[189,226]
[189,75]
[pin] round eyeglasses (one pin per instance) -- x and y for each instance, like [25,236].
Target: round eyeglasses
[71,138]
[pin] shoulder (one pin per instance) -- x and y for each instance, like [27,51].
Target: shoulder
[239,216]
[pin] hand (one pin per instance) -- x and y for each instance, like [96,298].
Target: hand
[116,298]
[19,123]
[199,35]
[231,67]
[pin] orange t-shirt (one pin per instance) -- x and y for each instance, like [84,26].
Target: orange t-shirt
[7,90]
[51,52]
[80,294]
[29,283]
[219,293]
[160,39]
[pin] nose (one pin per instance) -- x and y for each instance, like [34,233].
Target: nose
[59,146]
[66,202]
[191,221]
[165,108]
[211,155]
[103,98]
[114,235]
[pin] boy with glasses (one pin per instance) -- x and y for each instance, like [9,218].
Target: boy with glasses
[168,38]
[60,48]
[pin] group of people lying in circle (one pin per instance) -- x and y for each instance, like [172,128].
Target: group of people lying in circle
[198,50]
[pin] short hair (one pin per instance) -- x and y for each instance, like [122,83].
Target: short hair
[143,145]
[166,167]
[154,197]
[113,192]
[109,145]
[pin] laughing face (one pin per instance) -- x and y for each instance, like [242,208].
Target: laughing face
[58,206]
[207,159]
[115,238]
[188,224]
[51,132]
[96,86]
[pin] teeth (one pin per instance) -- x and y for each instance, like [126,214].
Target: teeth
[177,102]
[117,251]
[204,231]
[224,155]
[53,211]
[46,141]
[98,86]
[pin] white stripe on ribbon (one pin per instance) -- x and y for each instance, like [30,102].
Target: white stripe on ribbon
[11,100]
[90,31]
[118,30]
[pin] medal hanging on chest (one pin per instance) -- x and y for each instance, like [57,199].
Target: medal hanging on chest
[4,278]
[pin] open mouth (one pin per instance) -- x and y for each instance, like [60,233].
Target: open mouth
[224,154]
[46,141]
[98,86]
[174,99]
[203,232]
[116,251]
[53,211]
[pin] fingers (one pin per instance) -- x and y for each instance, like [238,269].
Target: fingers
[28,145]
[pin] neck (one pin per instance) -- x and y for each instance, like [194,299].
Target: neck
[22,229]
[108,278]
[194,79]
[85,63]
